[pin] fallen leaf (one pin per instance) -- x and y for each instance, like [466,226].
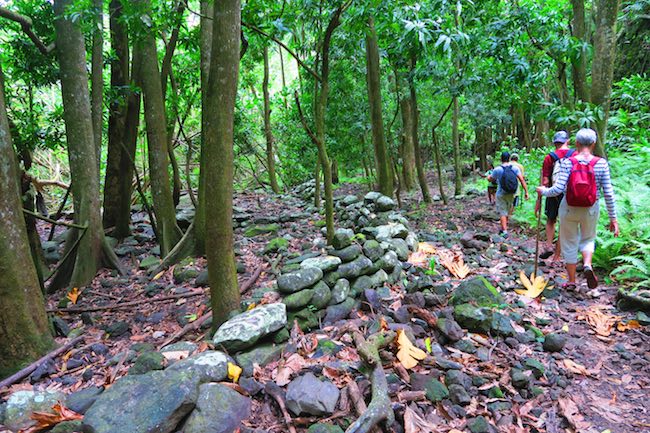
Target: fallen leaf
[413,423]
[534,285]
[251,306]
[233,372]
[407,353]
[576,368]
[569,410]
[631,324]
[73,295]
[456,265]
[158,275]
[45,420]
[600,322]
[292,365]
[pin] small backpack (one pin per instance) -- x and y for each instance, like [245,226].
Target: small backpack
[557,163]
[581,190]
[509,181]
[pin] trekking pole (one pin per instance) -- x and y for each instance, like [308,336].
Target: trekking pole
[539,221]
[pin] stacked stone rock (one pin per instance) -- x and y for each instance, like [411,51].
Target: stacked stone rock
[326,288]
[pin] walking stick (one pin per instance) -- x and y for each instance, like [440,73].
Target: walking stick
[539,221]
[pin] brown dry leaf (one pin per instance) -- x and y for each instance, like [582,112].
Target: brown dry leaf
[600,322]
[569,410]
[456,265]
[631,324]
[576,368]
[422,256]
[45,421]
[383,324]
[407,353]
[413,423]
[305,344]
[293,364]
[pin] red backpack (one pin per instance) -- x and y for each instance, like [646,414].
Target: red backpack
[582,190]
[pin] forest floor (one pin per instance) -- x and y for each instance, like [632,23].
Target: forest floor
[598,382]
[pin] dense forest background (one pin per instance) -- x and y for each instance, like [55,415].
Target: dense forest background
[111,104]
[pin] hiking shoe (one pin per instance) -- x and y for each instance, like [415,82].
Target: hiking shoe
[592,280]
[546,254]
[503,234]
[570,287]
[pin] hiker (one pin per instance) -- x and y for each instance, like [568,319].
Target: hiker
[514,159]
[492,185]
[581,177]
[507,178]
[550,173]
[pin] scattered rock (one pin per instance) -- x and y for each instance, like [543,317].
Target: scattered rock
[554,342]
[22,404]
[436,391]
[307,394]
[472,318]
[245,329]
[458,395]
[477,290]
[146,362]
[260,355]
[80,401]
[260,229]
[219,409]
[208,366]
[450,329]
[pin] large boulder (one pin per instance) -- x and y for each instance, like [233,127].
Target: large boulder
[476,290]
[473,318]
[22,404]
[324,263]
[146,403]
[219,409]
[245,329]
[298,280]
[384,203]
[208,366]
[307,394]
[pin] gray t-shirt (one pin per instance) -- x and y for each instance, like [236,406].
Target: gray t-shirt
[498,172]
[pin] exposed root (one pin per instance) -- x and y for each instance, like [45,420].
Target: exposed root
[380,409]
[184,248]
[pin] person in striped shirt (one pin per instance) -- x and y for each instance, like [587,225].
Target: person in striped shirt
[578,224]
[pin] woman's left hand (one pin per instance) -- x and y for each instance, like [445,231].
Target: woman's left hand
[613,227]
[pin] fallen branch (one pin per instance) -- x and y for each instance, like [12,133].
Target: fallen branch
[117,306]
[380,409]
[51,221]
[275,391]
[34,365]
[249,283]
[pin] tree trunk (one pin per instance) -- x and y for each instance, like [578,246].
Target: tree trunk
[458,176]
[97,78]
[317,193]
[602,72]
[408,151]
[525,130]
[218,141]
[158,154]
[579,64]
[123,117]
[419,165]
[24,330]
[384,173]
[335,171]
[270,155]
[90,246]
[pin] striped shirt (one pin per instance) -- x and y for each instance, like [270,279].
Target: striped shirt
[603,182]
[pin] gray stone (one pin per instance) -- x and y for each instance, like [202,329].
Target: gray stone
[219,409]
[61,327]
[117,329]
[480,425]
[412,241]
[361,284]
[260,229]
[80,401]
[348,253]
[342,238]
[298,280]
[245,329]
[340,311]
[298,300]
[450,329]
[185,271]
[435,390]
[372,196]
[359,266]
[458,395]
[260,355]
[519,379]
[501,325]
[389,261]
[275,245]
[324,263]
[22,404]
[67,427]
[306,394]
[322,295]
[384,203]
[202,279]
[554,342]
[477,290]
[340,291]
[390,231]
[400,247]
[324,428]
[372,249]
[208,366]
[457,377]
[472,318]
[306,318]
[146,403]
[350,199]
[146,362]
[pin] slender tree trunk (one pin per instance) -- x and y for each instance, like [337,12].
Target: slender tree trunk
[436,149]
[602,73]
[525,130]
[562,83]
[579,64]
[218,140]
[384,173]
[335,171]
[97,78]
[408,151]
[284,79]
[119,167]
[24,330]
[317,193]
[268,133]
[158,154]
[90,246]
[455,137]
[422,177]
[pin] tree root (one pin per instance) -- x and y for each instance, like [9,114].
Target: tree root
[380,409]
[184,248]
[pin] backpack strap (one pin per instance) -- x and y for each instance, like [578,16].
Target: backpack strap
[569,153]
[593,161]
[554,156]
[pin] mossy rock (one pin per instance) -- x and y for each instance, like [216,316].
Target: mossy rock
[477,290]
[261,229]
[275,245]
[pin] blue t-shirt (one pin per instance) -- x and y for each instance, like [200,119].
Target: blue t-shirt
[498,172]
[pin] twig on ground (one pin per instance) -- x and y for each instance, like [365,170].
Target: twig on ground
[125,304]
[275,391]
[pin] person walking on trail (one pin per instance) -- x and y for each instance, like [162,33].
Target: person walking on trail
[581,177]
[492,185]
[507,178]
[550,173]
[514,159]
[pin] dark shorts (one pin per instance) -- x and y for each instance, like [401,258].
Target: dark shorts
[552,207]
[492,189]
